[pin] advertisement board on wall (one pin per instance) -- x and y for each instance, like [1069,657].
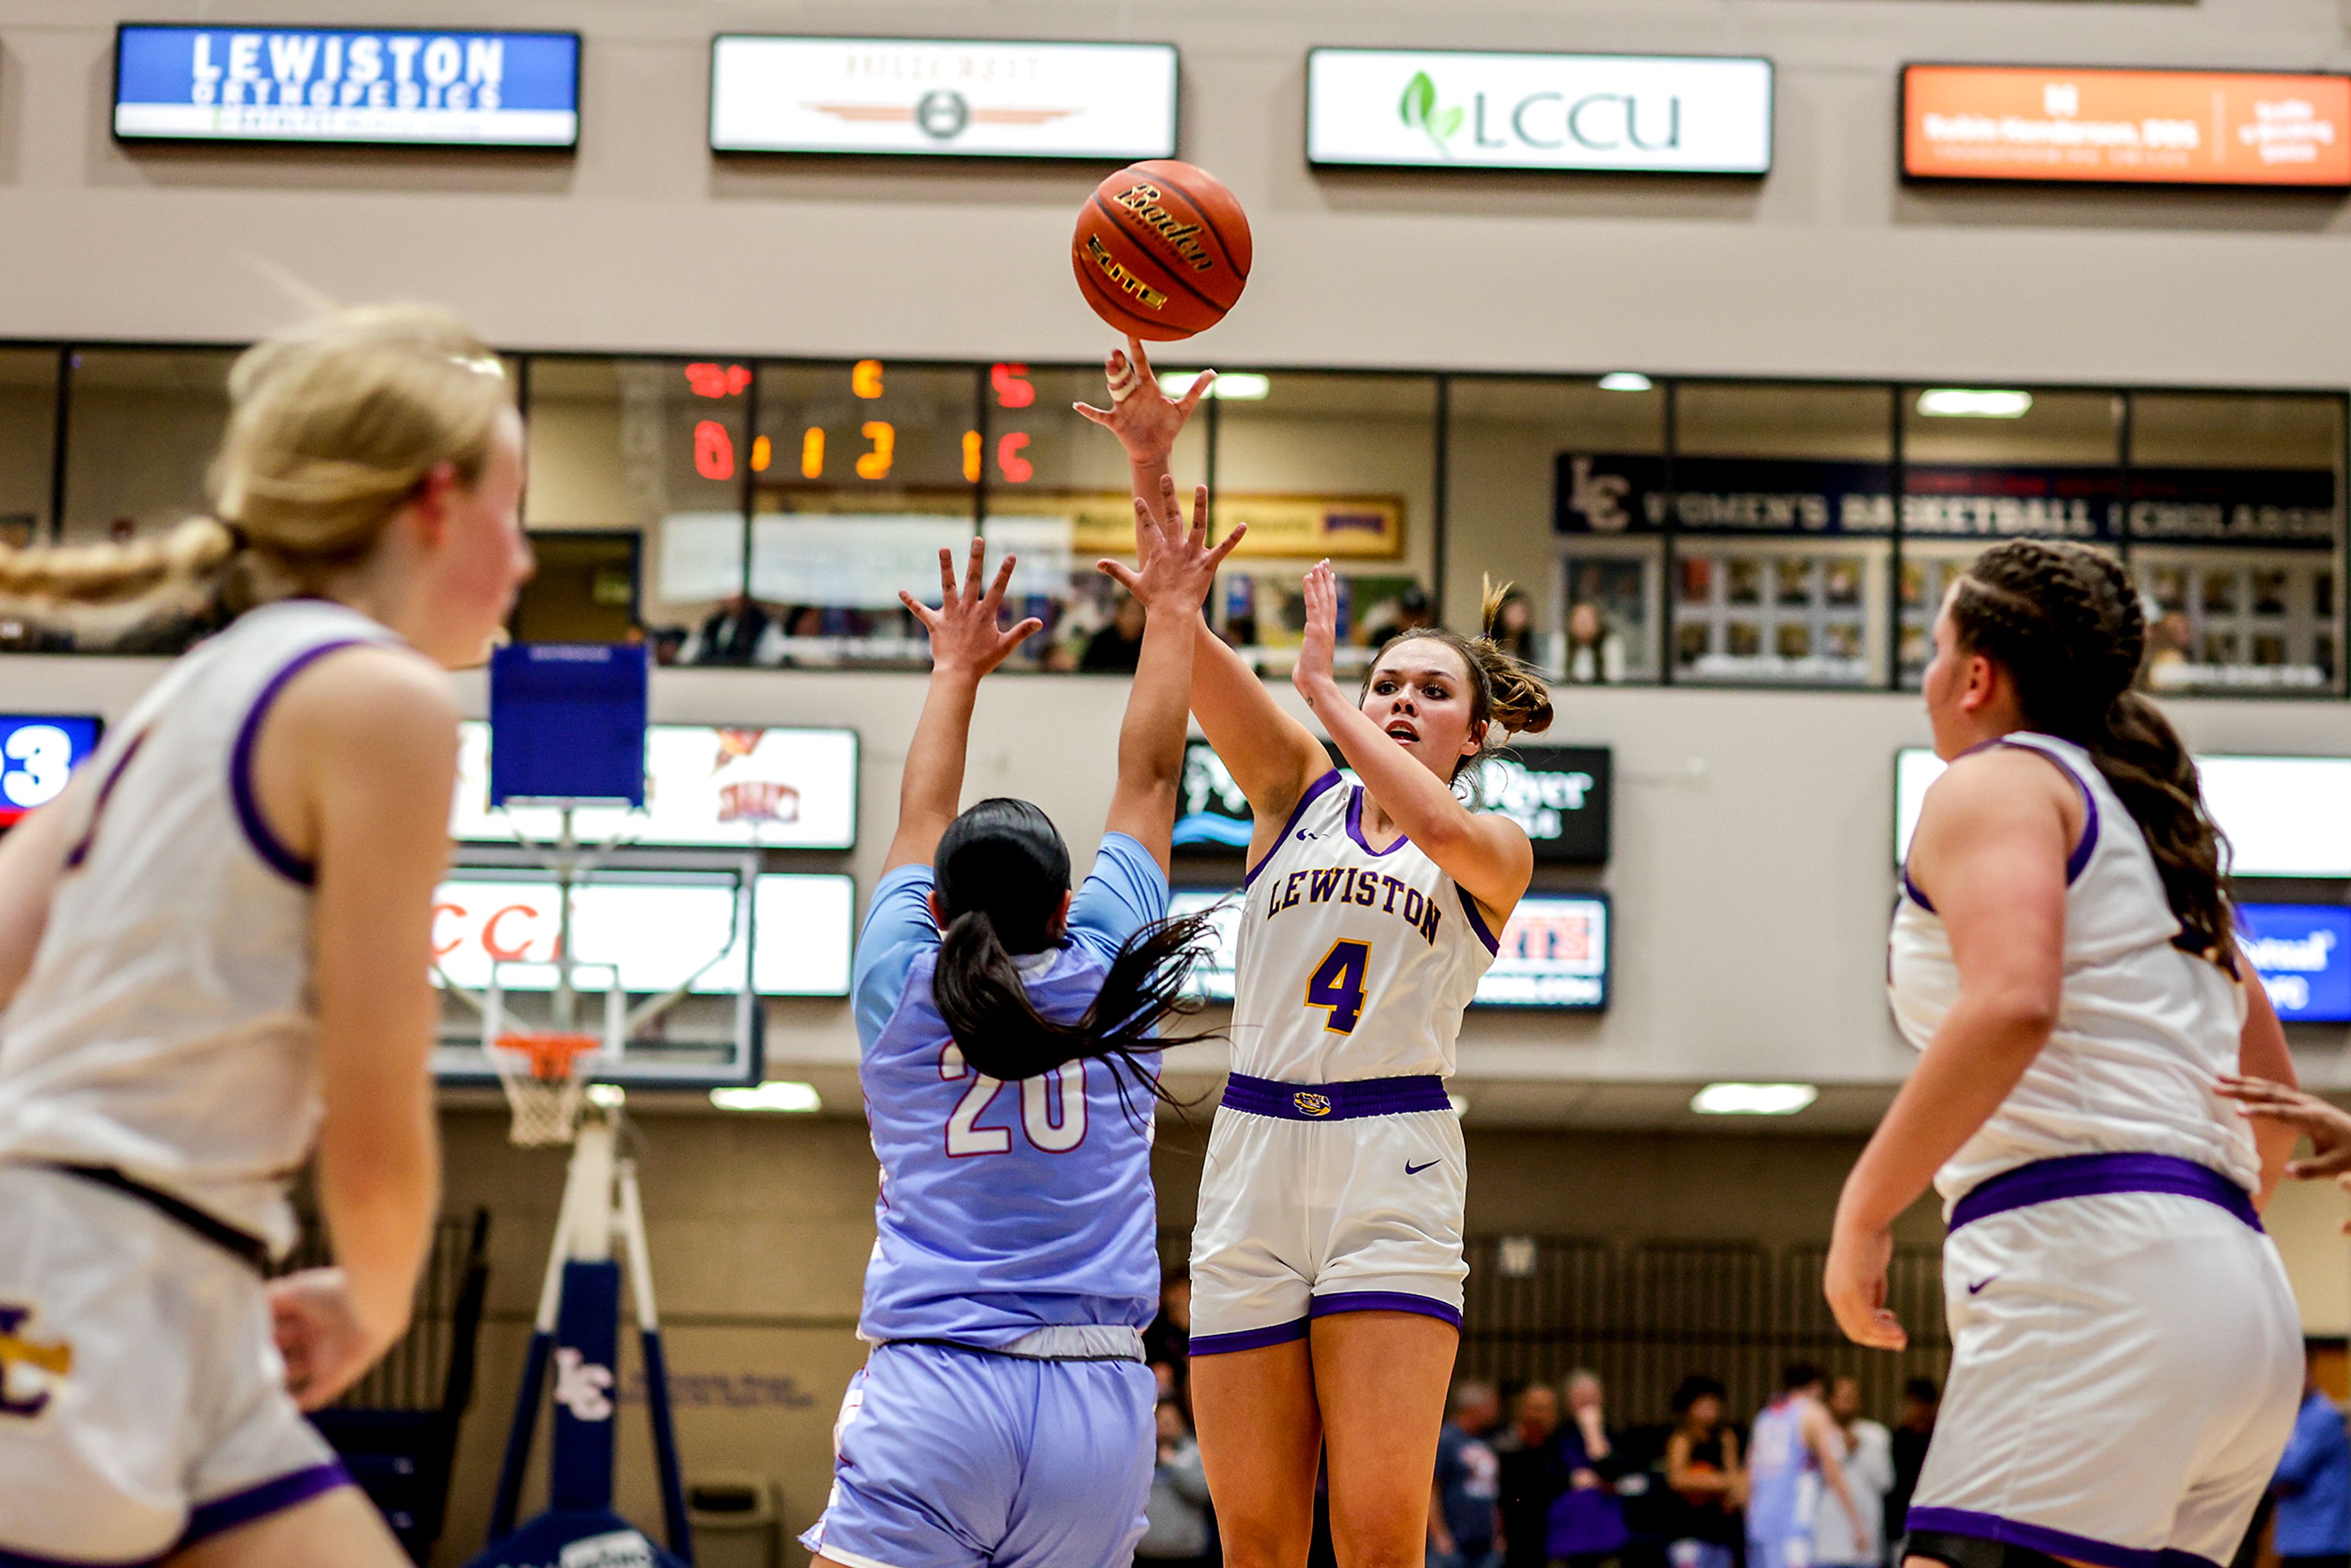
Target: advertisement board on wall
[2303,953]
[439,86]
[942,98]
[1439,109]
[2131,127]
[706,786]
[2284,816]
[1553,953]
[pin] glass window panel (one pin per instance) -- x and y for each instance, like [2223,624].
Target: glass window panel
[1546,485]
[2236,527]
[655,447]
[28,415]
[2051,471]
[871,467]
[1337,465]
[1784,498]
[142,427]
[1058,497]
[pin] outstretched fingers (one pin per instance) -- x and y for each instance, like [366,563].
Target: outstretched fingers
[1198,390]
[974,564]
[919,611]
[947,577]
[1225,545]
[1003,580]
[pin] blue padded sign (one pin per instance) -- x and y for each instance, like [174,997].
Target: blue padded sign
[567,722]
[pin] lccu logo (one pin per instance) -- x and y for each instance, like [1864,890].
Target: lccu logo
[1544,121]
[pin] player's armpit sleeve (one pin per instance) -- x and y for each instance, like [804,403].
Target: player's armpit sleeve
[898,930]
[1126,892]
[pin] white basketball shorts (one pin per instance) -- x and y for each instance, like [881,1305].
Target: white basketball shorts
[1323,1198]
[2126,1363]
[142,1402]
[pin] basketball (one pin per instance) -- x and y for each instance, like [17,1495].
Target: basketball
[1162,250]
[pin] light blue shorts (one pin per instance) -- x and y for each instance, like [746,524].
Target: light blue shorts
[955,1458]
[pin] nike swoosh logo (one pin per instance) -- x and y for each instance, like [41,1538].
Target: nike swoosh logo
[1412,1169]
[1979,1284]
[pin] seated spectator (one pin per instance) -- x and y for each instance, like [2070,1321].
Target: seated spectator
[2313,1486]
[1176,1519]
[1868,1460]
[1703,1472]
[1586,1527]
[732,633]
[1921,1401]
[1117,648]
[1532,1477]
[1464,1517]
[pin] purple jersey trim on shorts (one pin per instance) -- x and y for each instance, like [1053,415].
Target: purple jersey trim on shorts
[1334,1102]
[237,1508]
[2090,1175]
[1383,1301]
[1478,921]
[1248,1339]
[2055,1542]
[1314,792]
[265,844]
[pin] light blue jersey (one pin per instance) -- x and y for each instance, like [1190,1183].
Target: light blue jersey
[1004,1208]
[1777,1463]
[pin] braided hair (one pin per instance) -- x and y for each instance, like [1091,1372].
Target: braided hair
[2064,621]
[1506,697]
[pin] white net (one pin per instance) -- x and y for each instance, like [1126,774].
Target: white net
[540,1074]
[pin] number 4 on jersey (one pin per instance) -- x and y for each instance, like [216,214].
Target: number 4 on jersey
[1337,985]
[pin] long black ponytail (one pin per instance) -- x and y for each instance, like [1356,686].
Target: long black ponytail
[2066,623]
[1001,872]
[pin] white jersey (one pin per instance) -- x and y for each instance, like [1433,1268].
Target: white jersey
[167,1027]
[2143,1028]
[1354,962]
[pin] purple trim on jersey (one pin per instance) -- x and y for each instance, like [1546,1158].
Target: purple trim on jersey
[259,1502]
[1381,1301]
[2088,1175]
[1248,1339]
[265,844]
[2080,858]
[1355,827]
[2055,1542]
[1911,888]
[1478,921]
[1334,1102]
[27,1560]
[81,851]
[1314,792]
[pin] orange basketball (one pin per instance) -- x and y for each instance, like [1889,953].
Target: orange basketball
[1162,250]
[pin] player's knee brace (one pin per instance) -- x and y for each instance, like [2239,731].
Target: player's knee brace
[1973,1552]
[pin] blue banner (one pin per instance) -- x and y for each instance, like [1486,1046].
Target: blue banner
[2303,953]
[1613,493]
[434,88]
[37,753]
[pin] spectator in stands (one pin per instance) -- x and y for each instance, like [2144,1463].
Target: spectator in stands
[1168,1340]
[1464,1514]
[1514,627]
[1596,653]
[1792,1435]
[1867,1454]
[731,635]
[1407,611]
[1587,1521]
[1532,1477]
[1117,647]
[1703,1471]
[2170,653]
[1176,1519]
[2313,1486]
[1921,1400]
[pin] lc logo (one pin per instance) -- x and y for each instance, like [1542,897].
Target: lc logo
[581,1386]
[26,1364]
[1599,496]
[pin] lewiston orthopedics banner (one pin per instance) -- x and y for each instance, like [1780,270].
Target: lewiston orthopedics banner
[1436,108]
[438,88]
[934,97]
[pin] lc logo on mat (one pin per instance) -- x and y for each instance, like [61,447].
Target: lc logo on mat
[29,1368]
[581,1386]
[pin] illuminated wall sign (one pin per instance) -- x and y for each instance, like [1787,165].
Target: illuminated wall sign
[943,98]
[1554,951]
[659,927]
[704,785]
[38,752]
[1619,492]
[1433,109]
[1559,794]
[2159,128]
[2303,953]
[433,87]
[2284,816]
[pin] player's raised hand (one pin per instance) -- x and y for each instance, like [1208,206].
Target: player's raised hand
[1145,419]
[1174,566]
[1318,656]
[2328,1126]
[964,636]
[1854,1283]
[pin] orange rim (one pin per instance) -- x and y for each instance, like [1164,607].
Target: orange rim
[553,1057]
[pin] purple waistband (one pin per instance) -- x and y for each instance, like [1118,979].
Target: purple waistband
[1334,1102]
[2087,1176]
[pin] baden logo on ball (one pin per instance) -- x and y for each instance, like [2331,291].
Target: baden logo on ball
[1162,250]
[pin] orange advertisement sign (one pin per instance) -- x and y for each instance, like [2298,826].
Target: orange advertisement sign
[2156,128]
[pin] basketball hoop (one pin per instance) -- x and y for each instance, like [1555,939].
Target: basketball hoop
[540,1073]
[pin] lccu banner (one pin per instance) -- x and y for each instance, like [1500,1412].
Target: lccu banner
[1607,493]
[281,83]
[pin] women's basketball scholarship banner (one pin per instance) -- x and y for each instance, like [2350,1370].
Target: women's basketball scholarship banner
[430,86]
